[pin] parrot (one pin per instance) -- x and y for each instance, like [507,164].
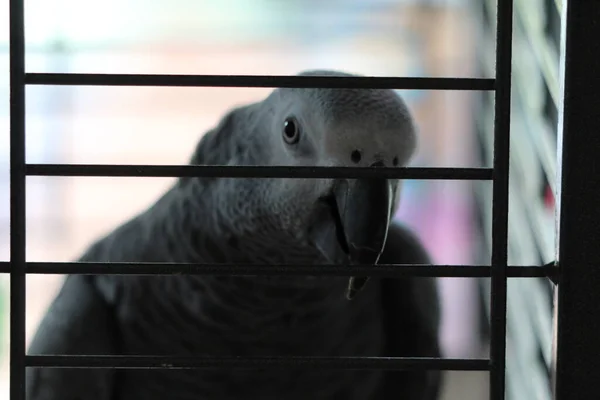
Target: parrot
[267,221]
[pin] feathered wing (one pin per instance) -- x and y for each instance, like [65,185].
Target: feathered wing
[78,322]
[81,319]
[412,314]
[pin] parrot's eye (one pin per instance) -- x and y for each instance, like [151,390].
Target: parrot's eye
[291,131]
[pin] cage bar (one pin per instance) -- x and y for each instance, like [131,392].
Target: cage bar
[577,346]
[17,200]
[234,171]
[500,198]
[271,362]
[265,81]
[379,270]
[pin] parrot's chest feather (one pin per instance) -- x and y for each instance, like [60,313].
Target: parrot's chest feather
[232,316]
[243,316]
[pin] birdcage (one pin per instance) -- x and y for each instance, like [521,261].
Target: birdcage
[511,279]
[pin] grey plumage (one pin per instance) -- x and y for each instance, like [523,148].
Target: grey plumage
[291,221]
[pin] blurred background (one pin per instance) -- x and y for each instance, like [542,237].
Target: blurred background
[442,38]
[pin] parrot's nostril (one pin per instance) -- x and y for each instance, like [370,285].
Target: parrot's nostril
[356,156]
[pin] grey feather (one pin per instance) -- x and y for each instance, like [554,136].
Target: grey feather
[78,322]
[276,221]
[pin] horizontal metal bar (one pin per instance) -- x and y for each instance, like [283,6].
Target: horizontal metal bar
[338,82]
[204,362]
[382,270]
[226,171]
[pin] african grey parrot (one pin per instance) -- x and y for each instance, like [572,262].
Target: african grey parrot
[278,221]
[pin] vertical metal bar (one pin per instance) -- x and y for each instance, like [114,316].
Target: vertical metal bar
[577,347]
[500,198]
[17,200]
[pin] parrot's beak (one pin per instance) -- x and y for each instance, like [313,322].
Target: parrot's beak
[364,207]
[361,210]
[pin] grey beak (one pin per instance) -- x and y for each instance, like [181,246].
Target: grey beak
[365,208]
[361,209]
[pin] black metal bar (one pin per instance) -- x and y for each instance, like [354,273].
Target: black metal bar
[224,171]
[381,270]
[577,346]
[338,82]
[203,362]
[17,200]
[500,198]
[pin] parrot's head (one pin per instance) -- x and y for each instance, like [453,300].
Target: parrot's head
[345,219]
